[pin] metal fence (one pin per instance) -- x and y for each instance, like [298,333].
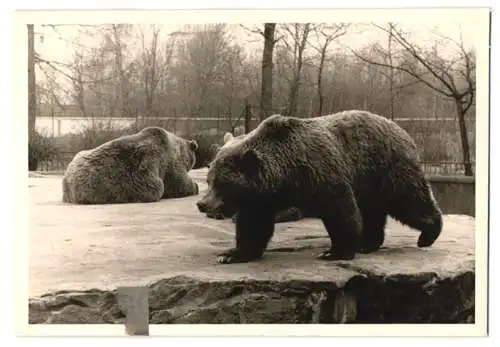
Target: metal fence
[59,163]
[446,168]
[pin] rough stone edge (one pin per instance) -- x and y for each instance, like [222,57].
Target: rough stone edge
[327,301]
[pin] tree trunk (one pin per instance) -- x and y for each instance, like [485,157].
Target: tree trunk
[294,89]
[464,138]
[391,75]
[31,83]
[247,116]
[266,98]
[320,76]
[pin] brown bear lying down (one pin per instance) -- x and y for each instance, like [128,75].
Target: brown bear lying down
[150,165]
[351,169]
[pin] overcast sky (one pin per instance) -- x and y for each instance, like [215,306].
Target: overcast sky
[58,46]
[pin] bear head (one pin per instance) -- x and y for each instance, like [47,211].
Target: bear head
[245,170]
[187,153]
[184,149]
[211,203]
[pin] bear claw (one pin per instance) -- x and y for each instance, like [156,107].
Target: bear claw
[335,255]
[225,259]
[234,256]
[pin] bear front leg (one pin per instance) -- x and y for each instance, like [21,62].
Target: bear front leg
[343,222]
[179,185]
[254,230]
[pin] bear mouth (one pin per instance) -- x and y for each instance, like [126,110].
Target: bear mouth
[216,215]
[221,211]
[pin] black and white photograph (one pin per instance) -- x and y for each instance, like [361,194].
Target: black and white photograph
[325,169]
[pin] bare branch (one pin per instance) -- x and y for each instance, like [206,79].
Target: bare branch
[401,68]
[255,31]
[398,36]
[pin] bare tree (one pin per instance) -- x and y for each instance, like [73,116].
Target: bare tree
[327,33]
[199,67]
[266,88]
[79,84]
[231,85]
[299,34]
[266,91]
[391,71]
[117,32]
[453,78]
[204,71]
[150,74]
[32,105]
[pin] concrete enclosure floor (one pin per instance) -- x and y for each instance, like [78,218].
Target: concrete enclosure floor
[75,247]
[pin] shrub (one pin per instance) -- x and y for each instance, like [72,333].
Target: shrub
[40,148]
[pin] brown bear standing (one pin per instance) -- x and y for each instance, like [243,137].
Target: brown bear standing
[352,169]
[144,167]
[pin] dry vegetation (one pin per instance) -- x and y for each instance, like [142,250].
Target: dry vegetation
[304,70]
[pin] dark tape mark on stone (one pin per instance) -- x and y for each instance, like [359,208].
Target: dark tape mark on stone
[133,301]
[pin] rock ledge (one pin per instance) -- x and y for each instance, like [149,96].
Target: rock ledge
[365,298]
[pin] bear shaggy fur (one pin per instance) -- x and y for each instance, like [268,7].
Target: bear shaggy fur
[143,167]
[288,215]
[352,169]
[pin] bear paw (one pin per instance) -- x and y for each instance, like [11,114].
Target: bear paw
[233,256]
[335,254]
[215,215]
[225,259]
[368,249]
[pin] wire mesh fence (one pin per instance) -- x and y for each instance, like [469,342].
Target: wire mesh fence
[437,139]
[446,168]
[59,163]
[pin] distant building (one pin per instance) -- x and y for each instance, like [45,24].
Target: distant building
[56,121]
[53,120]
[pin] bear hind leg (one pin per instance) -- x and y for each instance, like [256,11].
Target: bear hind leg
[149,189]
[343,222]
[419,211]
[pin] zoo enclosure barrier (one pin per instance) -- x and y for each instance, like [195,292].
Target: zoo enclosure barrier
[446,168]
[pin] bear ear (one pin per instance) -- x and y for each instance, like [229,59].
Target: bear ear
[193,145]
[249,161]
[228,137]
